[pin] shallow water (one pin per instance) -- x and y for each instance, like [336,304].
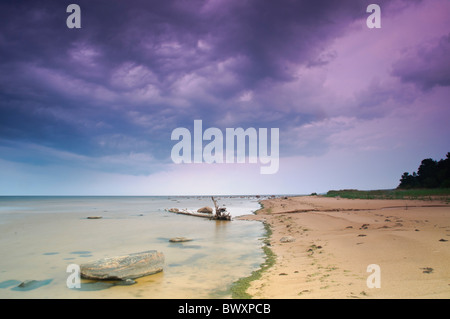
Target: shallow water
[41,236]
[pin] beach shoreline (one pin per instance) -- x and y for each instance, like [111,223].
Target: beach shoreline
[324,246]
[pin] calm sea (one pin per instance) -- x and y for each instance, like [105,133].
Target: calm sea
[41,236]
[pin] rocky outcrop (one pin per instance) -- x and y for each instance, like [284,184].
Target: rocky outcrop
[124,267]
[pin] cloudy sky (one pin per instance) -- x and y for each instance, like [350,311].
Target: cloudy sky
[90,111]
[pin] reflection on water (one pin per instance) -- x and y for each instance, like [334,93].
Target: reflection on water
[40,237]
[221,230]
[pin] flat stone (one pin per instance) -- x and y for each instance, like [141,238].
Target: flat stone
[124,267]
[94,217]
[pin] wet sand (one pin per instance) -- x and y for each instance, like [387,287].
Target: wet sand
[324,246]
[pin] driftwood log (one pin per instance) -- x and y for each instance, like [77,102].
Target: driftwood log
[184,212]
[220,212]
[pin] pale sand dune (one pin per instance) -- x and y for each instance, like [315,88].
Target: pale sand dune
[331,250]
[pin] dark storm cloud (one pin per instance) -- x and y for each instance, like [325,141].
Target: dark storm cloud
[427,65]
[138,69]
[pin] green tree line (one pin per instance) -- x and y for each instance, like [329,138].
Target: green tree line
[430,174]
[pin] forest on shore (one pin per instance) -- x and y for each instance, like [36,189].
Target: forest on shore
[430,174]
[432,180]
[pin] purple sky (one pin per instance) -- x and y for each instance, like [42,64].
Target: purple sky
[90,111]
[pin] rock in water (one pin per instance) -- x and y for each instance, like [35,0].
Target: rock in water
[31,284]
[179,239]
[205,210]
[124,267]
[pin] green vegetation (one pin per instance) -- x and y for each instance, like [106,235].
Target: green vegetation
[262,208]
[239,288]
[424,194]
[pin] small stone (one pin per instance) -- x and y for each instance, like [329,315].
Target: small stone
[442,239]
[94,217]
[27,283]
[427,270]
[287,239]
[31,284]
[179,239]
[126,282]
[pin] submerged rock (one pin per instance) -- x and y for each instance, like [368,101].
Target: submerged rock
[126,282]
[94,217]
[179,239]
[31,284]
[124,267]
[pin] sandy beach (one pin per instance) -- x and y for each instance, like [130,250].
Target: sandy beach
[323,247]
